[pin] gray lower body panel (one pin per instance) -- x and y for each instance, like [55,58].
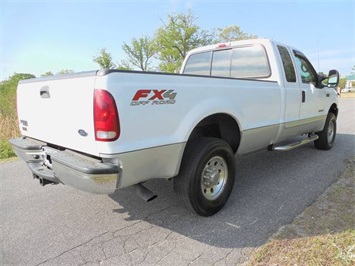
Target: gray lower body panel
[103,175]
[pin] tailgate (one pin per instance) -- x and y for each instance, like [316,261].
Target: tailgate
[59,110]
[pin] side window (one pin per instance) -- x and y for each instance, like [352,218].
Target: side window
[305,69]
[198,64]
[287,64]
[250,62]
[221,63]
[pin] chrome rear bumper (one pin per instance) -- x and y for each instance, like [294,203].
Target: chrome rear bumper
[67,167]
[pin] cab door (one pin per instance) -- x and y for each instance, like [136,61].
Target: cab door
[312,98]
[292,95]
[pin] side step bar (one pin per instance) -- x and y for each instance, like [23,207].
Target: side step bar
[294,145]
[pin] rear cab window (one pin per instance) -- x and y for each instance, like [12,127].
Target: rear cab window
[199,64]
[239,62]
[221,63]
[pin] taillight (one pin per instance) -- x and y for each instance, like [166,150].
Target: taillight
[106,120]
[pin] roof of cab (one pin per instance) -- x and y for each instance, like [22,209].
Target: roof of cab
[225,45]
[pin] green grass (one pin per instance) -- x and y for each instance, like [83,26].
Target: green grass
[330,249]
[8,117]
[8,129]
[6,150]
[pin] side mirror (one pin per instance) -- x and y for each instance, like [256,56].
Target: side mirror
[333,78]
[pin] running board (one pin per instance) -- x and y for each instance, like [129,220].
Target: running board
[294,145]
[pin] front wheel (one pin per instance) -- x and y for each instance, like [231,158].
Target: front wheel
[327,135]
[206,176]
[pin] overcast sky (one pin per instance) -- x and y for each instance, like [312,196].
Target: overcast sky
[41,36]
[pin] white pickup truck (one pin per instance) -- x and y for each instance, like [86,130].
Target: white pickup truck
[104,130]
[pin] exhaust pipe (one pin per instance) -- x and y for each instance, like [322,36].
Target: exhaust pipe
[143,192]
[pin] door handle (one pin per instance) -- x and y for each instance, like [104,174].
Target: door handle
[303,96]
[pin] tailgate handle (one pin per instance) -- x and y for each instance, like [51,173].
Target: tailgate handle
[44,92]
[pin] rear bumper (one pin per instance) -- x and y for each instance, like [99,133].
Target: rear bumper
[67,167]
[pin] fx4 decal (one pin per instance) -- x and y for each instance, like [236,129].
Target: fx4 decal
[153,97]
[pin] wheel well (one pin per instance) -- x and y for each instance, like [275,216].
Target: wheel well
[220,126]
[334,109]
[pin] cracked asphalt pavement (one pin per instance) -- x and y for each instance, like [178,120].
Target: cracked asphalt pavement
[58,225]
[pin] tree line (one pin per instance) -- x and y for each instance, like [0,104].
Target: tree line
[169,45]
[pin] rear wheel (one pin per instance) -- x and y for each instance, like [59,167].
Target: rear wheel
[206,176]
[327,135]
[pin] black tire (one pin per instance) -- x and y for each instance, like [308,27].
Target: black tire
[327,135]
[206,176]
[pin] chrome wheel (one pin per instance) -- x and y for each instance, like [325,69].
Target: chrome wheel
[214,177]
[331,131]
[327,135]
[206,175]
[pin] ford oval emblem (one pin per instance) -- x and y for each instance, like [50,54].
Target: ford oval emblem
[82,132]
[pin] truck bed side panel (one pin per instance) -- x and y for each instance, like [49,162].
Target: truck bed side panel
[148,119]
